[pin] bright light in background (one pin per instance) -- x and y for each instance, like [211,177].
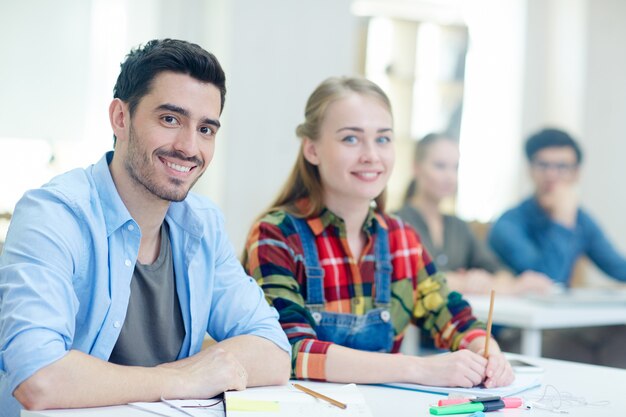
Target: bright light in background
[485,86]
[107,47]
[427,115]
[379,52]
[491,127]
[16,154]
[26,162]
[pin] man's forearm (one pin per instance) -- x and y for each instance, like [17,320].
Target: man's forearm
[81,380]
[264,361]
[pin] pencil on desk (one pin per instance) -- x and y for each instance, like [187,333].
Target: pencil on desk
[321,396]
[489,321]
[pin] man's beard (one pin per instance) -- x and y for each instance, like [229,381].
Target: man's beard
[139,167]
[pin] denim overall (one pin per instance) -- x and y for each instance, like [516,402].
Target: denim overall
[372,331]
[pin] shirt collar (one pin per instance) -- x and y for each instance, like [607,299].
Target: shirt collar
[116,214]
[114,211]
[327,218]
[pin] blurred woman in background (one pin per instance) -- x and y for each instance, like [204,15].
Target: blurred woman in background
[469,264]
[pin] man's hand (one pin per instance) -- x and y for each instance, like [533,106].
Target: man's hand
[208,373]
[479,281]
[532,282]
[561,203]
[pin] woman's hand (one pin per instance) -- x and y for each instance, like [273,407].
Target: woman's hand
[498,372]
[456,369]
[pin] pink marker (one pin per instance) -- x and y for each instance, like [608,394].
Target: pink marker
[509,402]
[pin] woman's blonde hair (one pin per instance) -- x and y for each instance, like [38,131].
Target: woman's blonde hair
[304,180]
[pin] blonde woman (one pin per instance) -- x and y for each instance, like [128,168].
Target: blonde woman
[346,278]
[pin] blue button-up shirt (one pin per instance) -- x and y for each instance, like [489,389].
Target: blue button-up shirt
[66,269]
[526,238]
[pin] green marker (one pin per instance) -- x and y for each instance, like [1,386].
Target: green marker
[467,408]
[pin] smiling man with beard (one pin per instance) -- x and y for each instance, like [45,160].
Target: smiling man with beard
[111,276]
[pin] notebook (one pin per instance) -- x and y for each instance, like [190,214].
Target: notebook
[522,383]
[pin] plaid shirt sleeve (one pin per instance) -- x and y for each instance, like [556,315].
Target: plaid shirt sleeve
[274,258]
[444,313]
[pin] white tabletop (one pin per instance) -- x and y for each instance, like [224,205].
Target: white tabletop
[583,383]
[527,313]
[534,316]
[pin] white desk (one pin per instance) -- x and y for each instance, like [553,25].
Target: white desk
[532,317]
[593,383]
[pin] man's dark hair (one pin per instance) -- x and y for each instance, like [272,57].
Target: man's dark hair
[551,138]
[144,63]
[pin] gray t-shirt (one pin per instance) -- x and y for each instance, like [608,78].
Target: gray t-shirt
[153,330]
[461,249]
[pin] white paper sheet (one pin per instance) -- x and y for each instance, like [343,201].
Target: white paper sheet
[293,402]
[183,408]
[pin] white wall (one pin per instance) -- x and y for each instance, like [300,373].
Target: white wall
[34,81]
[603,136]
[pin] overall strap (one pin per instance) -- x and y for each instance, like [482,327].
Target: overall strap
[383,268]
[313,270]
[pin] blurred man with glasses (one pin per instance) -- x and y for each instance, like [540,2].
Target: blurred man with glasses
[549,231]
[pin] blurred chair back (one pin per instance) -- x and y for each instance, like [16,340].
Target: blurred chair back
[480,229]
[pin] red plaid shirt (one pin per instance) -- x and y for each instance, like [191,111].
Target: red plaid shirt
[274,257]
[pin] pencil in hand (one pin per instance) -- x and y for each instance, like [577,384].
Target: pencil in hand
[489,322]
